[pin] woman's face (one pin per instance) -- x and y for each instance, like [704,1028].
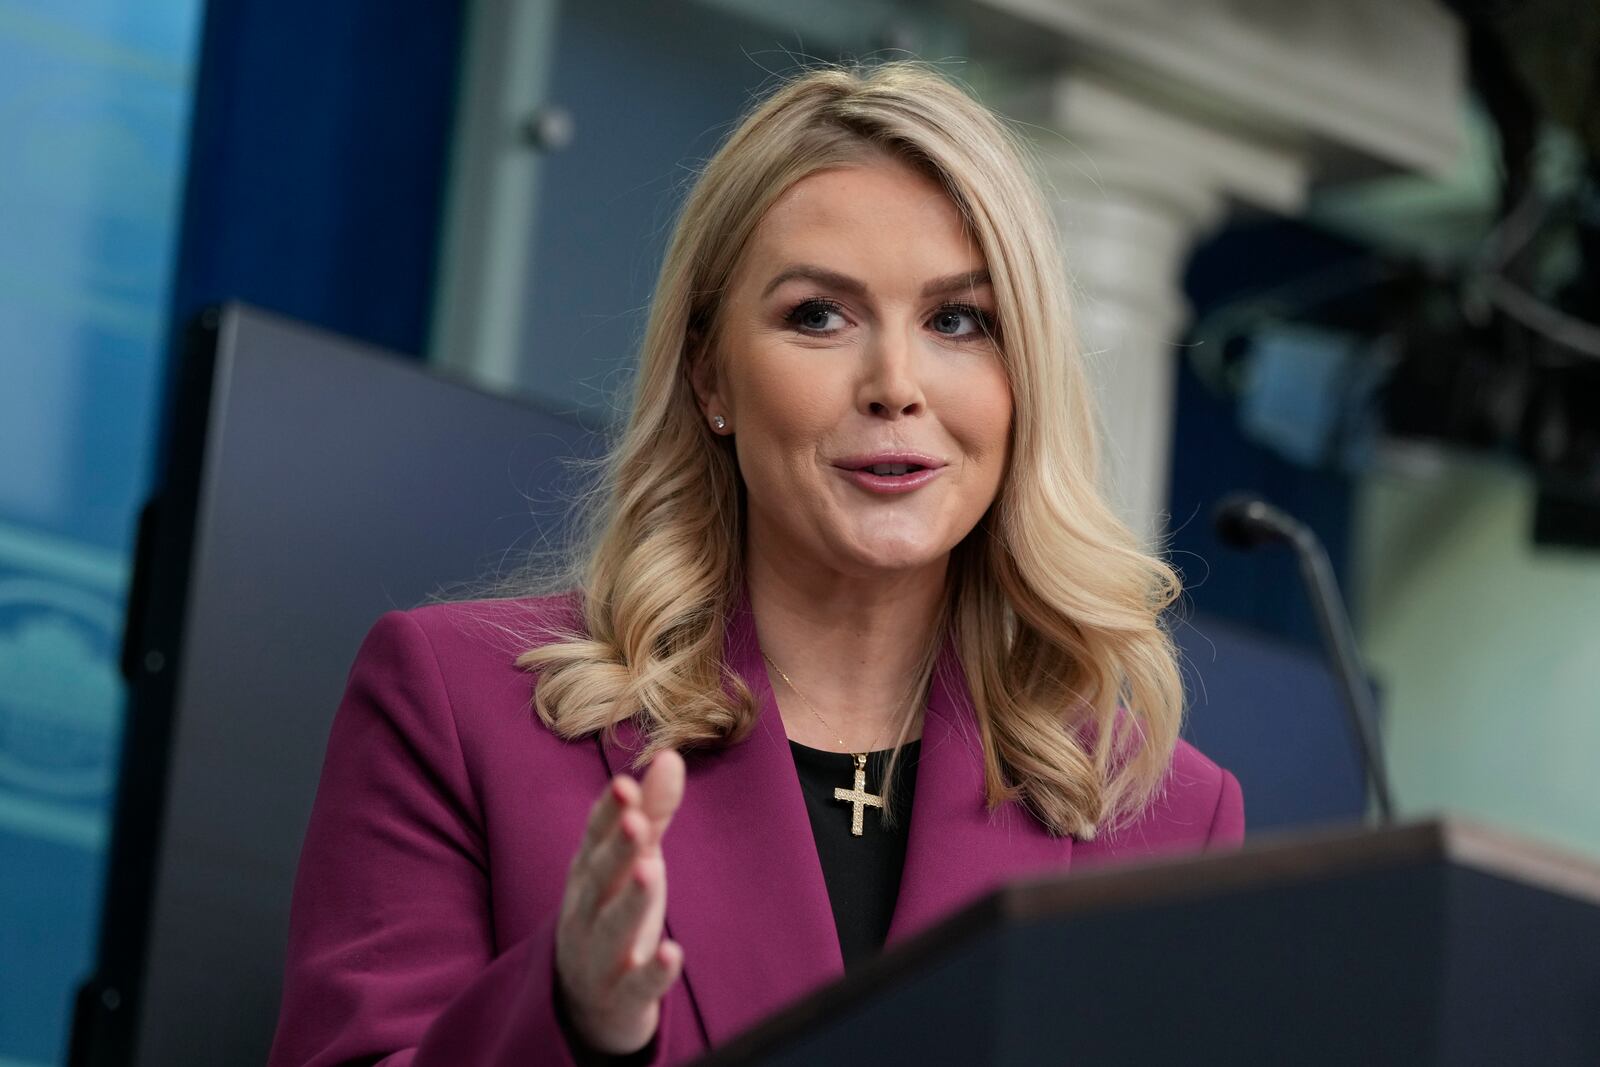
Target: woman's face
[869,408]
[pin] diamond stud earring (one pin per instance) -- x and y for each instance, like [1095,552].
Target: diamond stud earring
[719,422]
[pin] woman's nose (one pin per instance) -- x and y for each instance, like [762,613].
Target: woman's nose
[890,386]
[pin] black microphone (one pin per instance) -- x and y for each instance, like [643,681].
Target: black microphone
[1246,522]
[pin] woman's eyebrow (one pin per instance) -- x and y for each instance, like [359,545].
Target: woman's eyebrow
[950,283]
[955,283]
[831,278]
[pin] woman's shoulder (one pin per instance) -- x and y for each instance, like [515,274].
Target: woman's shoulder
[1196,786]
[470,647]
[1198,806]
[450,668]
[500,624]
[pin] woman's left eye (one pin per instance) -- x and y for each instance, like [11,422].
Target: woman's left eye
[952,314]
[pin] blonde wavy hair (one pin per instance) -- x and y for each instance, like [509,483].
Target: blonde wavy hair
[1054,607]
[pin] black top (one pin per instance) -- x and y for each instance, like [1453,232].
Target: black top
[862,873]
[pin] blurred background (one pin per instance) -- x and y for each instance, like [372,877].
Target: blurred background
[1341,253]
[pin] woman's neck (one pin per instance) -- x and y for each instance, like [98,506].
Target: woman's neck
[854,646]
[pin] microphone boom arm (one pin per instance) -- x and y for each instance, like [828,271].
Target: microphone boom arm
[1338,635]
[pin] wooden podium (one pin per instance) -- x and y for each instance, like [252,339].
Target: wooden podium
[1432,943]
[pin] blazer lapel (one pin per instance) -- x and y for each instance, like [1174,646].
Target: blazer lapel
[745,892]
[956,849]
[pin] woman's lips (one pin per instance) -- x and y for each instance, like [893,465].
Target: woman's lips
[890,484]
[902,456]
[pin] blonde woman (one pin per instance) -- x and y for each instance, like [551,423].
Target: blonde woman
[853,606]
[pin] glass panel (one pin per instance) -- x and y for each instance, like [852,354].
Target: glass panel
[94,109]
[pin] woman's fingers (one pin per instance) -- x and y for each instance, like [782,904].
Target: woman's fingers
[620,920]
[648,931]
[626,821]
[651,980]
[603,847]
[613,963]
[662,789]
[632,907]
[621,792]
[607,864]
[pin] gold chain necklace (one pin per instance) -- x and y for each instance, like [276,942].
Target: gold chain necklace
[856,796]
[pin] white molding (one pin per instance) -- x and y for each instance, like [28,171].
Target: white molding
[1175,156]
[1378,79]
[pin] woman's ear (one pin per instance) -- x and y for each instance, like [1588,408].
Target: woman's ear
[700,367]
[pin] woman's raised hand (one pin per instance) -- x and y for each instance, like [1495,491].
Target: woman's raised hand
[612,964]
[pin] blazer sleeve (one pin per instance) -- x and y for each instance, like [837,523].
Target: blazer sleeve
[1227,820]
[392,955]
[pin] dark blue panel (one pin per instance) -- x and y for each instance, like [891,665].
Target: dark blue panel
[318,162]
[1212,456]
[1271,713]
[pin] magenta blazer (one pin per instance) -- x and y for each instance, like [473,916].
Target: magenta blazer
[423,924]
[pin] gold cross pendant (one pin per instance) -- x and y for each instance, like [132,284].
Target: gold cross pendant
[858,796]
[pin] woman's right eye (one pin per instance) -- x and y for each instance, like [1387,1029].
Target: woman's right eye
[811,316]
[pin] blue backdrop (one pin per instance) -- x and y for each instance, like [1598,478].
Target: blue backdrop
[160,156]
[94,106]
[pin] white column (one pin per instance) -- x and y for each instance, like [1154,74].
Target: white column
[1134,188]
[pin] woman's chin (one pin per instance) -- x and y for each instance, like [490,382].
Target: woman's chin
[883,556]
